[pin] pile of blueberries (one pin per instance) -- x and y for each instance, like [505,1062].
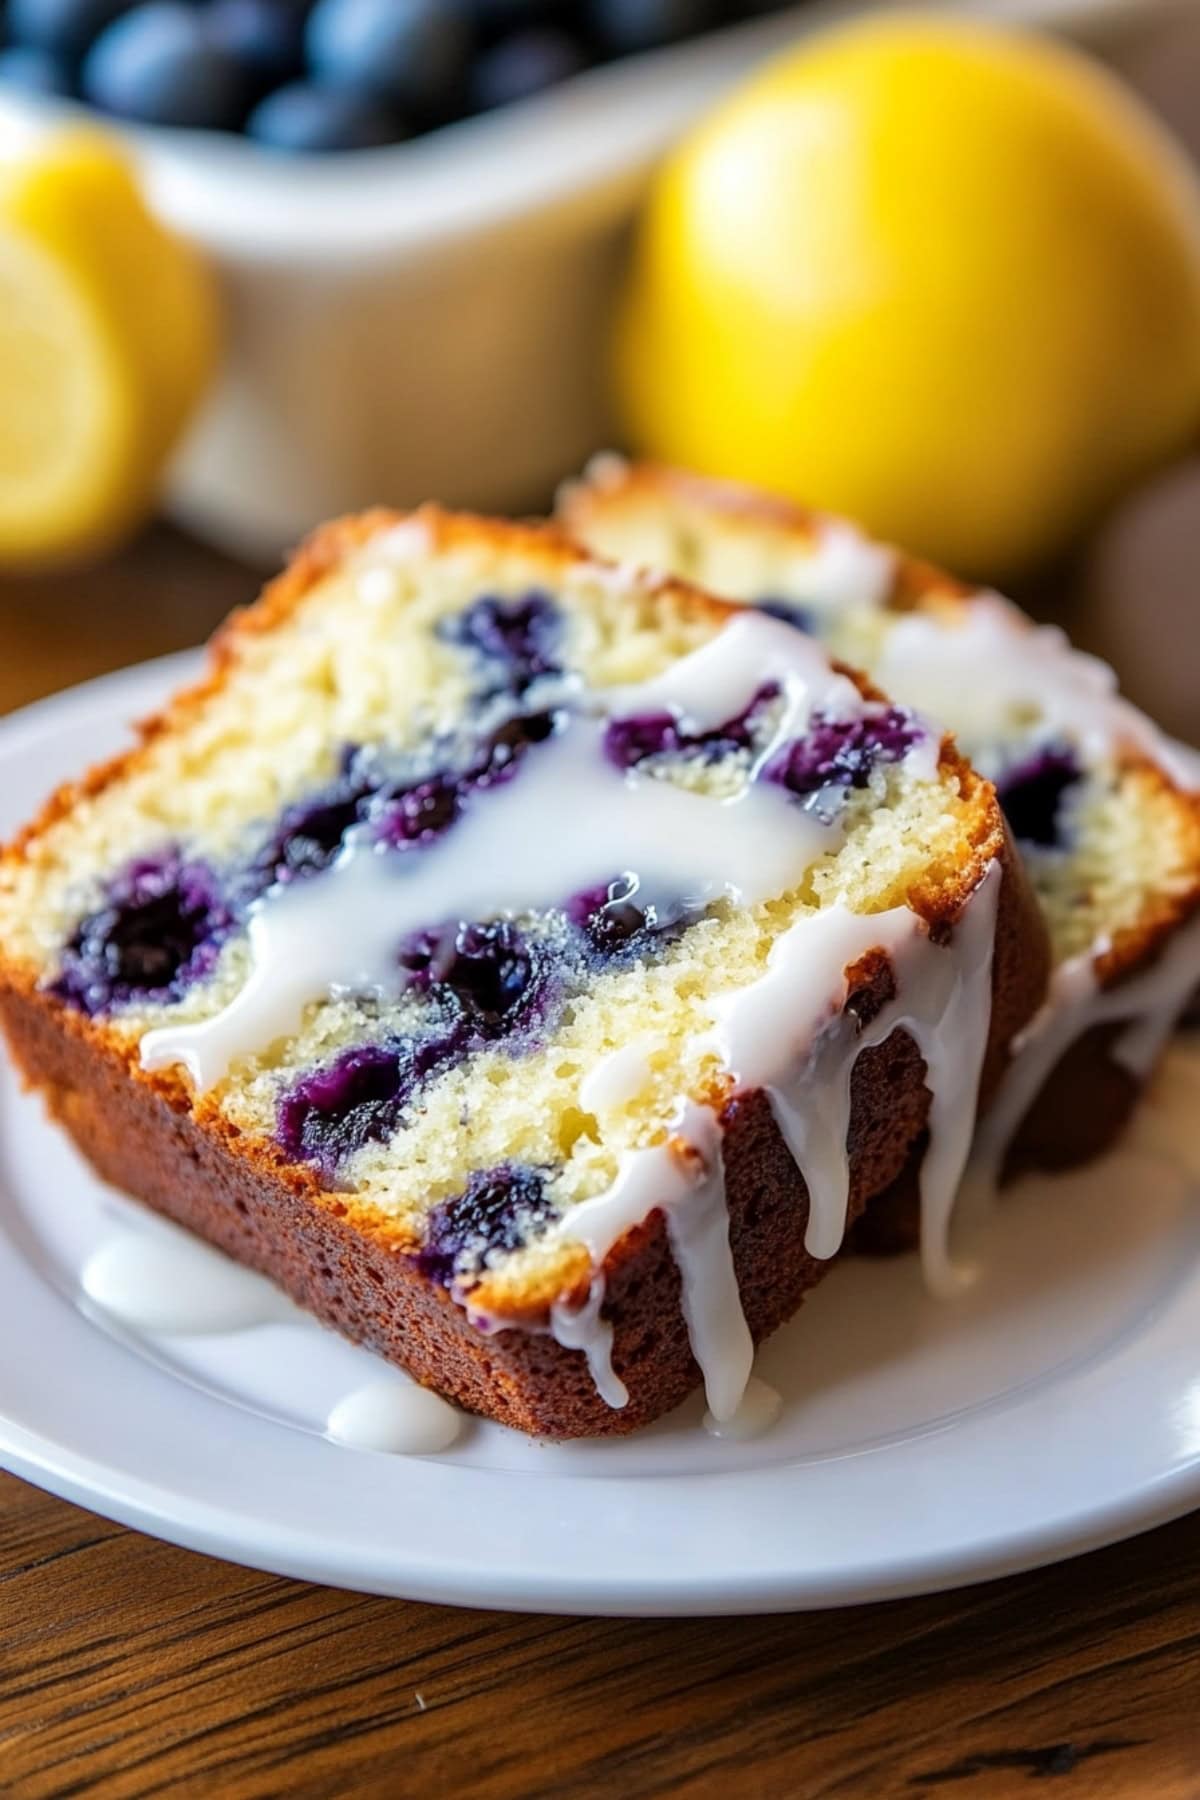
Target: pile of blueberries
[315,75]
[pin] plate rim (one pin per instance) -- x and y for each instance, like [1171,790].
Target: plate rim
[87,1485]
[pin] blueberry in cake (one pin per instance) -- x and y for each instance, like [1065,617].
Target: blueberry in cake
[534,968]
[1103,808]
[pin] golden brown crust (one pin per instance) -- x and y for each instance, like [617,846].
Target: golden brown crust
[914,579]
[143,1131]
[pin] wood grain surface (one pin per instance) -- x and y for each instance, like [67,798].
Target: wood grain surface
[131,1668]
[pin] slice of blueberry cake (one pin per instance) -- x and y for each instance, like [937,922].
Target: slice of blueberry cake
[1103,808]
[535,969]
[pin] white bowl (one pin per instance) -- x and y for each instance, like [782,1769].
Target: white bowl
[430,319]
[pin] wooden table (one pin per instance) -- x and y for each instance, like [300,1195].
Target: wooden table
[128,1667]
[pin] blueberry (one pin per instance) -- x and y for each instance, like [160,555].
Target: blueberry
[488,982]
[490,972]
[304,116]
[518,639]
[416,815]
[790,612]
[37,71]
[500,1209]
[159,929]
[525,64]
[1031,794]
[501,752]
[159,65]
[615,923]
[608,914]
[631,740]
[310,834]
[841,753]
[266,37]
[413,53]
[311,831]
[359,1098]
[64,27]
[622,27]
[419,814]
[404,814]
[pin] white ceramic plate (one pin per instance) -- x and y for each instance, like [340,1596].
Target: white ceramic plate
[1055,1407]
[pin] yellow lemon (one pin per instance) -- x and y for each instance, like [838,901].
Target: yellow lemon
[108,335]
[938,275]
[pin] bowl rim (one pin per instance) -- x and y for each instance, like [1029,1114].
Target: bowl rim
[593,136]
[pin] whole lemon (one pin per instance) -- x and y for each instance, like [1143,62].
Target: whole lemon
[939,275]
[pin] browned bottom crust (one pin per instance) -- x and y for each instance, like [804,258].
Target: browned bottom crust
[137,1140]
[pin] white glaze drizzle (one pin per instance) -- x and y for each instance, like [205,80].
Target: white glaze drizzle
[378,585]
[843,569]
[583,1328]
[1148,1005]
[618,1077]
[789,1036]
[569,821]
[988,655]
[400,543]
[168,1282]
[698,1227]
[377,579]
[713,683]
[684,1178]
[395,1417]
[760,1408]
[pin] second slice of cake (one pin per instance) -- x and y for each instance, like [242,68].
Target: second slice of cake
[1104,809]
[533,968]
